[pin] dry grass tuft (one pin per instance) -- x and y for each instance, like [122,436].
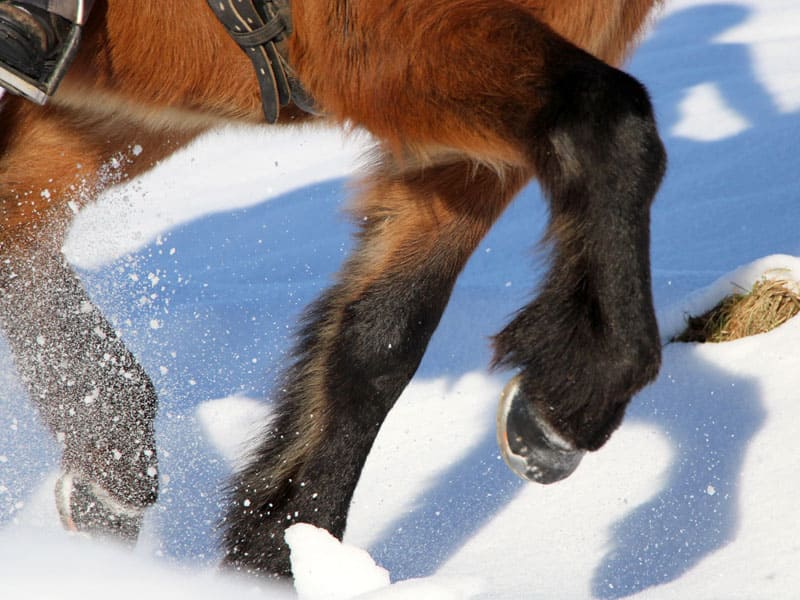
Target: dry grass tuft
[770,303]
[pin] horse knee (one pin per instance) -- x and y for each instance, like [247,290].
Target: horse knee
[599,133]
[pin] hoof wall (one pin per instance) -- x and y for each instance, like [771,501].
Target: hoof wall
[529,446]
[85,507]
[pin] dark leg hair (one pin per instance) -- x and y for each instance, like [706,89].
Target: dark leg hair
[584,346]
[589,340]
[361,344]
[90,391]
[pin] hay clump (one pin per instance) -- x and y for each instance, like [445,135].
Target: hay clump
[770,303]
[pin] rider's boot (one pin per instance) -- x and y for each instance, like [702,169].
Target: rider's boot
[38,40]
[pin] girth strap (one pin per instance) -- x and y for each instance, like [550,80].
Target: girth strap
[262,29]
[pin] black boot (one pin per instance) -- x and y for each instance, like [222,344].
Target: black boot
[29,37]
[36,47]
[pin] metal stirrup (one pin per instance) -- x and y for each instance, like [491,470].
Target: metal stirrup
[74,11]
[39,90]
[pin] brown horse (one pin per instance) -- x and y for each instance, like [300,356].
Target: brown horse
[469,100]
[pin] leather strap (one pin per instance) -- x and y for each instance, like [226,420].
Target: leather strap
[262,28]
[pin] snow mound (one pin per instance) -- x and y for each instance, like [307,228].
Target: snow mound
[326,569]
[37,565]
[232,425]
[778,266]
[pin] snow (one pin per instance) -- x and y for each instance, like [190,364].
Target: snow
[75,568]
[204,274]
[331,571]
[705,117]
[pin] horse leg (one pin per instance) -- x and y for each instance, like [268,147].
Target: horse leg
[508,91]
[361,343]
[89,389]
[506,88]
[589,341]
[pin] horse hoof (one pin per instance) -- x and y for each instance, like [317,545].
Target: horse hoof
[86,507]
[529,446]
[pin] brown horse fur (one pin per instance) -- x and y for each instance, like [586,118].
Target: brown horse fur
[468,99]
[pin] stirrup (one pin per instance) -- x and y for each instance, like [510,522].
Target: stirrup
[40,81]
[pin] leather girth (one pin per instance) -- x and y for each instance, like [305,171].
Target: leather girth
[262,28]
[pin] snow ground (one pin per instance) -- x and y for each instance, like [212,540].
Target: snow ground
[695,495]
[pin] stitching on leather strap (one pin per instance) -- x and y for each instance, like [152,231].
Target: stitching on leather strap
[263,35]
[261,28]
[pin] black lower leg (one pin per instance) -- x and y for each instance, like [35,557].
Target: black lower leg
[308,466]
[361,344]
[589,340]
[89,389]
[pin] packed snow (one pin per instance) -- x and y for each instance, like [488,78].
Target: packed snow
[205,263]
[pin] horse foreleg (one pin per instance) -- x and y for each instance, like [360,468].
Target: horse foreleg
[88,388]
[496,82]
[361,344]
[589,341]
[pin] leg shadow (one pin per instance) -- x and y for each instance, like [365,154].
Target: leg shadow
[464,498]
[709,417]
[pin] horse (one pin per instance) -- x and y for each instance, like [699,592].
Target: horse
[468,101]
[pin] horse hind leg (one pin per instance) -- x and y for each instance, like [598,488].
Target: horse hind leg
[361,343]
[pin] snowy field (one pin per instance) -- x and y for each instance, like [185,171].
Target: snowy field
[204,274]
